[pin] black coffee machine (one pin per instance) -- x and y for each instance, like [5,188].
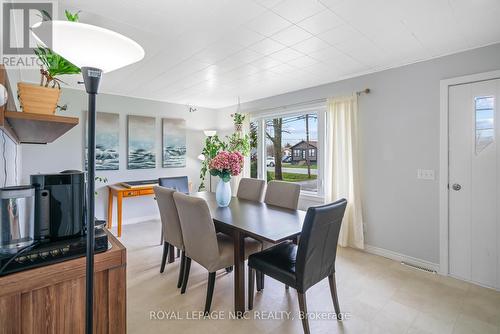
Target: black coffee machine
[59,224]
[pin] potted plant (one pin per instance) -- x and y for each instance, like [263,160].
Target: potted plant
[224,165]
[43,98]
[238,120]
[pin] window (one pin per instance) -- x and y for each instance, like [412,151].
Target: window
[485,125]
[300,134]
[254,133]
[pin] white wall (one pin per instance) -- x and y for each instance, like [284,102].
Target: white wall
[399,127]
[67,151]
[10,161]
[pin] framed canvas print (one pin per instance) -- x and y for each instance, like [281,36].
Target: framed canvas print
[173,142]
[141,142]
[107,139]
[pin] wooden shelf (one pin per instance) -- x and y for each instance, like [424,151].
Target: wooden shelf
[38,128]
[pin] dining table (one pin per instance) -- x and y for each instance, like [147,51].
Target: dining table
[249,219]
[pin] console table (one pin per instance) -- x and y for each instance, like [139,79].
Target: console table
[121,192]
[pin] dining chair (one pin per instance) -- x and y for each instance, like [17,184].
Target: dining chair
[283,194]
[251,189]
[171,227]
[313,259]
[212,250]
[178,183]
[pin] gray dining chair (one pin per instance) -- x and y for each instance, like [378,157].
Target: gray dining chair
[251,189]
[171,227]
[283,194]
[212,250]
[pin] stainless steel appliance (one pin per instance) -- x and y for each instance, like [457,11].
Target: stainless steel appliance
[17,229]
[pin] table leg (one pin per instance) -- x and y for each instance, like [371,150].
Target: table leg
[171,254]
[119,213]
[239,273]
[110,209]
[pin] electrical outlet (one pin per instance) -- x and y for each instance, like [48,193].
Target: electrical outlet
[425,174]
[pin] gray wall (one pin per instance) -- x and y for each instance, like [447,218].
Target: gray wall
[67,151]
[399,128]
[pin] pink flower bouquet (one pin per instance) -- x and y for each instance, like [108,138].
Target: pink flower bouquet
[226,164]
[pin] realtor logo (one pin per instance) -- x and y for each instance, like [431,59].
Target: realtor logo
[17,41]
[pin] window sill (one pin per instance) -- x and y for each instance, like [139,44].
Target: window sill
[310,196]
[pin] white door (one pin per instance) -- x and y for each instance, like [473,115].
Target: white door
[474,182]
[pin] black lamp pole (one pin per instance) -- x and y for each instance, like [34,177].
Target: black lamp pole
[91,79]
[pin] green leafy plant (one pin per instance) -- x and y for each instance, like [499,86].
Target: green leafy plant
[238,118]
[238,142]
[101,179]
[213,145]
[54,65]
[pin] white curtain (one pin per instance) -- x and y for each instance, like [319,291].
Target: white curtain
[344,167]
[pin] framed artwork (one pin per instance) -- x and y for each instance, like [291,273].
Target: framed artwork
[107,139]
[173,142]
[141,142]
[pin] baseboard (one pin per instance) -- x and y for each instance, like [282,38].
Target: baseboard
[401,257]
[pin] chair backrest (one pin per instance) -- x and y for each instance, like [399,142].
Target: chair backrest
[198,229]
[283,194]
[179,183]
[251,189]
[318,243]
[172,232]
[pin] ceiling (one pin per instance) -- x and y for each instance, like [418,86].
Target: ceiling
[209,52]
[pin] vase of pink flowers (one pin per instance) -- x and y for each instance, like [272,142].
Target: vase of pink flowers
[224,165]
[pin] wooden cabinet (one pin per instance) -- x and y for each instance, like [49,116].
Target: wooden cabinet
[51,299]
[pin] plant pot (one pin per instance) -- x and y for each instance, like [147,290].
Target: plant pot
[38,99]
[238,127]
[223,193]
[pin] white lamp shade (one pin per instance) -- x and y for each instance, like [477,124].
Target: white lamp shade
[87,45]
[210,133]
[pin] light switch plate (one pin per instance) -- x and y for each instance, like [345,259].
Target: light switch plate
[425,174]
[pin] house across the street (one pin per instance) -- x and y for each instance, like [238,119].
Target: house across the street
[305,150]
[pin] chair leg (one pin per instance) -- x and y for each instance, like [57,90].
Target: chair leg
[164,256]
[303,312]
[181,270]
[259,281]
[251,287]
[187,267]
[262,280]
[333,291]
[229,269]
[287,287]
[210,292]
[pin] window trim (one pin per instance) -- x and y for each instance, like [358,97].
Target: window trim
[321,153]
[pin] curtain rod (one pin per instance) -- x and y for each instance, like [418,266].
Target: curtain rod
[358,93]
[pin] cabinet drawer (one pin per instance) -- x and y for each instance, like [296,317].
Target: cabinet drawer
[131,193]
[146,191]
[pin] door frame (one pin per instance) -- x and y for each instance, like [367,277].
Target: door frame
[444,163]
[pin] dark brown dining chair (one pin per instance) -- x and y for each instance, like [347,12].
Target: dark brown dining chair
[302,266]
[251,189]
[171,227]
[203,244]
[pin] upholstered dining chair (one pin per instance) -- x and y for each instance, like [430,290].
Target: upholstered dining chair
[251,189]
[212,250]
[283,194]
[313,259]
[178,183]
[171,227]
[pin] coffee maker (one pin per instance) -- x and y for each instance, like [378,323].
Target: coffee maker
[59,216]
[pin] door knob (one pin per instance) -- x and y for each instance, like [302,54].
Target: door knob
[456,187]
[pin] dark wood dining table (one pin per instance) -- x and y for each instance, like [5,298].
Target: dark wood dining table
[243,218]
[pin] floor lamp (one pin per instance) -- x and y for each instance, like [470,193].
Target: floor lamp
[95,50]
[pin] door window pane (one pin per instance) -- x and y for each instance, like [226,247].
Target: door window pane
[253,149]
[485,122]
[292,150]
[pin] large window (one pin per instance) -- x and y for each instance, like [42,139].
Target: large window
[291,146]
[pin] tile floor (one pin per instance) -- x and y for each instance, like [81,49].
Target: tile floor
[378,295]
